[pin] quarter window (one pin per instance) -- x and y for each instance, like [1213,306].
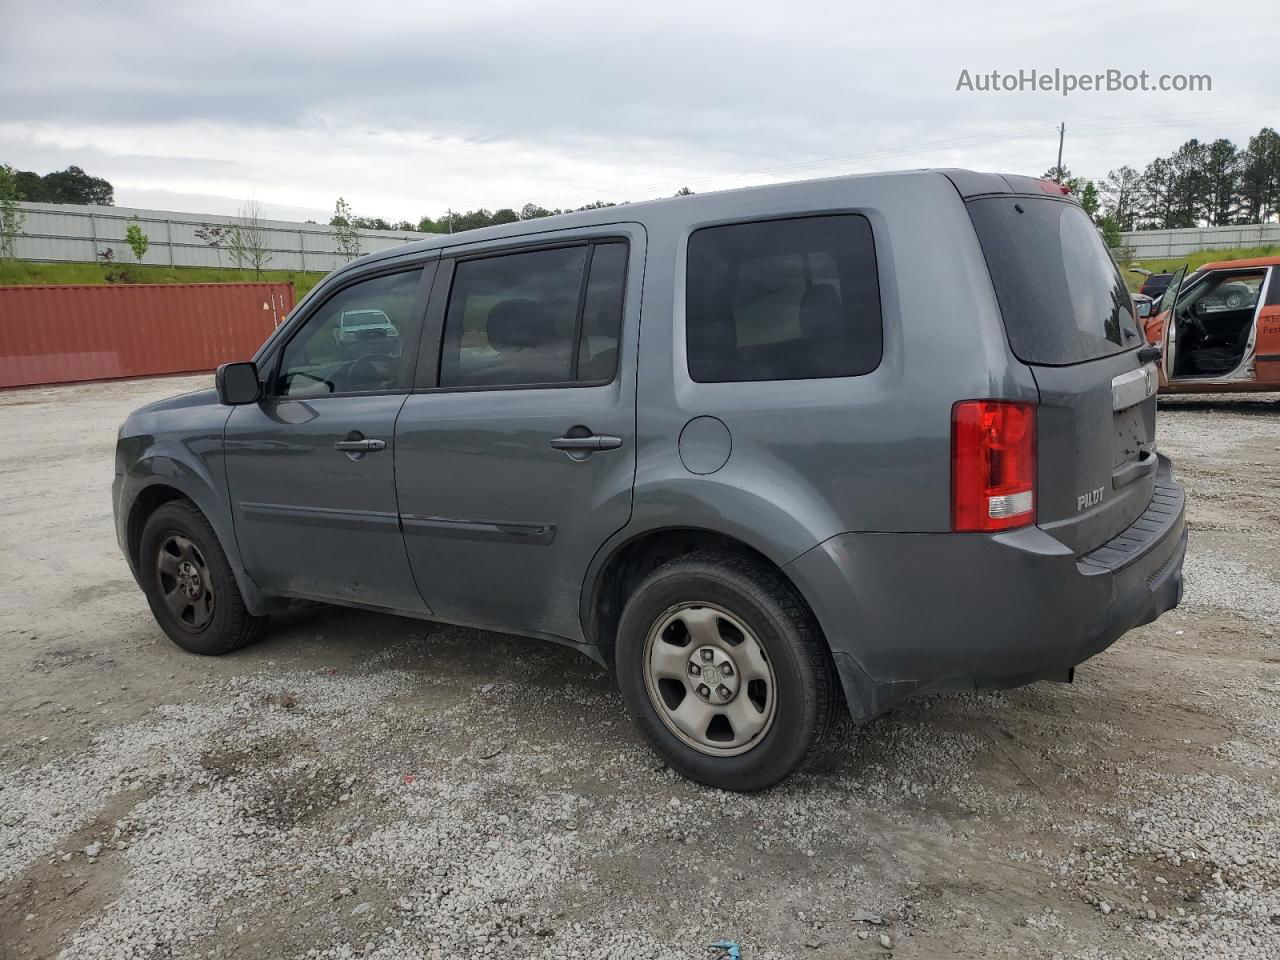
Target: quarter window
[783,300]
[362,339]
[542,317]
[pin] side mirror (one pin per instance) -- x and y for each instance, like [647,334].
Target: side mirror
[237,383]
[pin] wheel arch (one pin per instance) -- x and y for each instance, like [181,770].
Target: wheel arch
[620,566]
[158,480]
[147,501]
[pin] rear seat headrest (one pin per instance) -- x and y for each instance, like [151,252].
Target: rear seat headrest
[821,312]
[519,325]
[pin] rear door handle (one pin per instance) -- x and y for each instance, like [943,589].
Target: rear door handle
[588,444]
[360,446]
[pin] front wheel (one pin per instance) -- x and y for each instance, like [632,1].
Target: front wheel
[189,584]
[725,671]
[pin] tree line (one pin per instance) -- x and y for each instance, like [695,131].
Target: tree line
[71,185]
[1213,184]
[455,222]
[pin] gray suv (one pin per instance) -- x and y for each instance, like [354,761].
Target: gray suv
[733,446]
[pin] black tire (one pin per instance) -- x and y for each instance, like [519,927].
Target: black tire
[208,615]
[805,690]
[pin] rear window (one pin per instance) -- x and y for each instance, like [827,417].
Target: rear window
[783,300]
[1061,294]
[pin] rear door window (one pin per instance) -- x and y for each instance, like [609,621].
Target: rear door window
[1061,294]
[542,317]
[783,300]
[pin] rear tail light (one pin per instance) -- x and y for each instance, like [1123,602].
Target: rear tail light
[993,465]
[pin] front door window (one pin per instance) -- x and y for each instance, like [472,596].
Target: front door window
[356,342]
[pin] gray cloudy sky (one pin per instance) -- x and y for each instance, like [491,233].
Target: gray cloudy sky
[409,108]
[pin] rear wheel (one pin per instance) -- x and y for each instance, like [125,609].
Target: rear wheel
[725,671]
[189,584]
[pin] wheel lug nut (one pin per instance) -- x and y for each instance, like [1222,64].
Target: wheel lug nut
[726,669]
[703,690]
[695,669]
[706,656]
[723,691]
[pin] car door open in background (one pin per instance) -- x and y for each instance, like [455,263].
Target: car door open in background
[1268,343]
[310,467]
[515,458]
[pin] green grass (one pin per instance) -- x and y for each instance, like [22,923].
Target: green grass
[1197,259]
[31,272]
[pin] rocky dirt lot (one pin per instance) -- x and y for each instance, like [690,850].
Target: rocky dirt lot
[360,785]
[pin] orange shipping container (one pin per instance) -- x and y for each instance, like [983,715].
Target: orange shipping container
[59,334]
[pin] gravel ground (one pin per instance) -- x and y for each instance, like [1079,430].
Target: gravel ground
[361,785]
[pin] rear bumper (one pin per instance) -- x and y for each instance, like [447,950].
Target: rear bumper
[910,613]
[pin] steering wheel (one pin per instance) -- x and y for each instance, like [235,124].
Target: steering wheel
[372,371]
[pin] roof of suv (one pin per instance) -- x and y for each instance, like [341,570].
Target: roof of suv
[967,182]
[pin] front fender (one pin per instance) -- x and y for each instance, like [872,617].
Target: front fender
[157,467]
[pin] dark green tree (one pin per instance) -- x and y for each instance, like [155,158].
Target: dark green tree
[30,185]
[73,185]
[1120,193]
[11,218]
[1260,177]
[1188,187]
[1157,201]
[1220,175]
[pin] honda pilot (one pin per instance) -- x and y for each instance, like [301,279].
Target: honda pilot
[728,445]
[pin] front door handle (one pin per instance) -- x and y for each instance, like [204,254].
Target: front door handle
[586,444]
[360,446]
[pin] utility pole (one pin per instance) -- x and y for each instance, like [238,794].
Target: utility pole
[1062,133]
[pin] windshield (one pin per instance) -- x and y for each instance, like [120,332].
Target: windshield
[1060,292]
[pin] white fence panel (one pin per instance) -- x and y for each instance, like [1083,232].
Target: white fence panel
[1166,244]
[71,233]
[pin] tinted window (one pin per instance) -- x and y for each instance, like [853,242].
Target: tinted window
[360,339]
[783,300]
[1273,288]
[542,317]
[1061,294]
[602,313]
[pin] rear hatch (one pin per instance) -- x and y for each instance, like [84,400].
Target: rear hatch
[1069,317]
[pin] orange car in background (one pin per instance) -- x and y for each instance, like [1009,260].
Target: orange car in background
[1219,328]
